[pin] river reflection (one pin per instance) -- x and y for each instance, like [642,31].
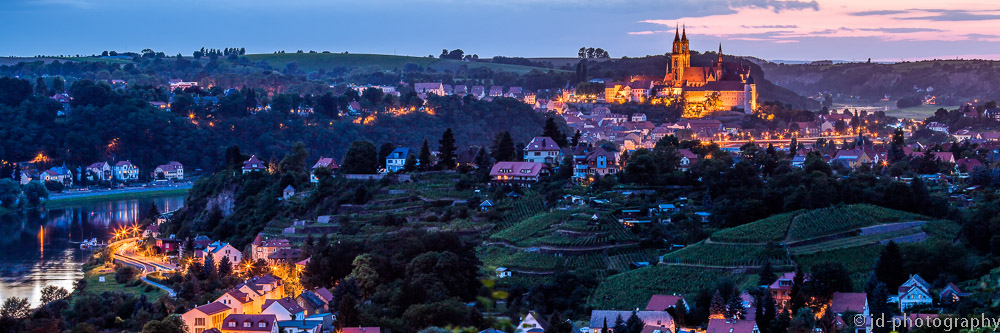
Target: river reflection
[39,247]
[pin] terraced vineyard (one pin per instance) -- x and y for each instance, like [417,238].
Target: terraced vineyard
[519,209]
[565,229]
[732,255]
[826,221]
[495,256]
[628,290]
[769,229]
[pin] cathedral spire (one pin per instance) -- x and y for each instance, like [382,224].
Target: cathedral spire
[720,53]
[677,33]
[684,33]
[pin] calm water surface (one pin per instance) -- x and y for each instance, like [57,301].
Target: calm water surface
[39,248]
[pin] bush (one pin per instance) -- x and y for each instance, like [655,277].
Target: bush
[125,274]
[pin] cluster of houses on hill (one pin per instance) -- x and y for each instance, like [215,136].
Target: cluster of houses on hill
[479,92]
[656,315]
[121,171]
[261,304]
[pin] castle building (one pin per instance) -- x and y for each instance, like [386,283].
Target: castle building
[720,87]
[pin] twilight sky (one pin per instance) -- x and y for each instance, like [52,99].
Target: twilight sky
[884,30]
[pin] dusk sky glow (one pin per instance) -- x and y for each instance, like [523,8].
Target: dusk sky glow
[885,30]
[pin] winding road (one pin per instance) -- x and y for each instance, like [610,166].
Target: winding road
[124,252]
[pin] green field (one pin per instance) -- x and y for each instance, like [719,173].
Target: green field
[769,229]
[632,289]
[379,62]
[712,254]
[94,284]
[831,220]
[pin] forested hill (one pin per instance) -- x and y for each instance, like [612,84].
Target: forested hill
[657,65]
[117,125]
[951,81]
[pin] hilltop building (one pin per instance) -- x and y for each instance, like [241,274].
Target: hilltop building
[720,87]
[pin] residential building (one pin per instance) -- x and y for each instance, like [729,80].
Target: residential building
[533,323]
[284,309]
[249,323]
[241,302]
[205,317]
[60,175]
[323,162]
[660,319]
[914,292]
[288,192]
[732,326]
[524,173]
[261,248]
[396,160]
[219,250]
[496,91]
[100,171]
[601,162]
[781,288]
[436,88]
[254,164]
[361,330]
[542,149]
[856,303]
[312,302]
[284,256]
[173,170]
[664,302]
[688,159]
[951,294]
[125,171]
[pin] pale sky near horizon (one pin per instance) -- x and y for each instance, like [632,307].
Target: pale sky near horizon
[884,30]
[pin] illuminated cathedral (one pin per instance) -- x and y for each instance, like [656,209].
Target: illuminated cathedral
[702,90]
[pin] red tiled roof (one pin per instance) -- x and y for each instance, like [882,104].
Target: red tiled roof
[361,330]
[289,304]
[517,168]
[730,326]
[212,308]
[844,302]
[542,143]
[326,162]
[324,293]
[257,322]
[662,302]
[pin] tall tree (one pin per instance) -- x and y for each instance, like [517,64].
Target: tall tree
[446,150]
[503,148]
[798,282]
[383,152]
[361,158]
[889,267]
[718,307]
[552,130]
[425,159]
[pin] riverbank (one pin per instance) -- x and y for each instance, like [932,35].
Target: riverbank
[63,199]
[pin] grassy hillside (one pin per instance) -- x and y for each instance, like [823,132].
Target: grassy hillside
[327,61]
[952,81]
[629,290]
[803,238]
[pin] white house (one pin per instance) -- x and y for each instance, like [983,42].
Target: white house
[542,149]
[914,292]
[100,171]
[284,309]
[503,272]
[125,171]
[532,322]
[206,317]
[396,159]
[171,171]
[219,250]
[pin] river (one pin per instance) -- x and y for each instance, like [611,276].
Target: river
[39,247]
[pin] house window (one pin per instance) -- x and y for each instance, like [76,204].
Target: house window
[246,324]
[199,321]
[262,324]
[232,324]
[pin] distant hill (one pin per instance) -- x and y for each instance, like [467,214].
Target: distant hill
[329,61]
[952,82]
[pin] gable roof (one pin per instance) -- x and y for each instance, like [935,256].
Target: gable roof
[662,302]
[730,326]
[597,317]
[212,308]
[541,143]
[255,320]
[853,302]
[287,303]
[517,169]
[326,162]
[325,294]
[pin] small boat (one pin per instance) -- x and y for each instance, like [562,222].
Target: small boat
[91,244]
